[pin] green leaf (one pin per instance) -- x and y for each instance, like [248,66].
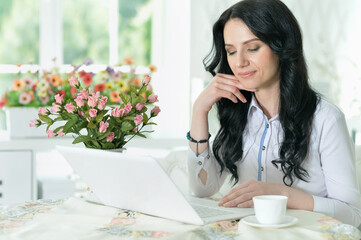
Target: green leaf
[103,135]
[130,118]
[145,118]
[125,98]
[141,135]
[126,126]
[144,109]
[143,90]
[49,124]
[134,98]
[99,118]
[108,145]
[96,144]
[91,125]
[82,139]
[69,124]
[45,119]
[57,129]
[152,123]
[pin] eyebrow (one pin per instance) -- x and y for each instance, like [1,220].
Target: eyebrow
[245,42]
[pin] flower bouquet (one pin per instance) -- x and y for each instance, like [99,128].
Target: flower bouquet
[96,121]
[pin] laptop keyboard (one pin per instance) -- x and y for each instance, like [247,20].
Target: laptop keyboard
[205,212]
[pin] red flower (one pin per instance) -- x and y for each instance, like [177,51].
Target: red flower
[99,87]
[61,93]
[34,87]
[73,91]
[88,78]
[2,104]
[82,73]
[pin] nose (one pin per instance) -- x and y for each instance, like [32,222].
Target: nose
[242,60]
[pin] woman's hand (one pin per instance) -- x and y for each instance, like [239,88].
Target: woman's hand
[221,86]
[241,196]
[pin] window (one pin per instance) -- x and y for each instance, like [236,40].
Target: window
[19,31]
[36,31]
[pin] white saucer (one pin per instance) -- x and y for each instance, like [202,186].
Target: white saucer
[252,221]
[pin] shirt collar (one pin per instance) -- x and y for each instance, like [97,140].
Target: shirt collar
[254,106]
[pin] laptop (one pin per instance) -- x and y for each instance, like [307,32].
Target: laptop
[139,183]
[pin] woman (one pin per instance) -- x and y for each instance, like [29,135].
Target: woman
[277,136]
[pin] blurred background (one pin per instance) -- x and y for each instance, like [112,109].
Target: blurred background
[174,35]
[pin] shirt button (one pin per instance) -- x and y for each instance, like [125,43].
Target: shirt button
[199,163]
[267,126]
[262,169]
[263,148]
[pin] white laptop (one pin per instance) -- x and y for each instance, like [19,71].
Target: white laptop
[139,183]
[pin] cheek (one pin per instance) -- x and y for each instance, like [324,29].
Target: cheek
[232,63]
[268,62]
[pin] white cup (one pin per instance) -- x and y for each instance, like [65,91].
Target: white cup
[270,209]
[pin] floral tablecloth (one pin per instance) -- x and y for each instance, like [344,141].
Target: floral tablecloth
[78,219]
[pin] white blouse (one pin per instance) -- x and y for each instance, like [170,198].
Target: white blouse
[330,162]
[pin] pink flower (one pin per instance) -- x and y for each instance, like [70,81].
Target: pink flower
[128,108]
[81,113]
[138,119]
[110,137]
[97,94]
[102,102]
[153,98]
[59,98]
[60,133]
[103,127]
[28,82]
[93,112]
[54,108]
[33,123]
[24,98]
[79,101]
[116,112]
[160,234]
[147,79]
[91,91]
[84,94]
[43,111]
[155,111]
[70,108]
[44,100]
[92,101]
[50,133]
[140,106]
[135,129]
[73,81]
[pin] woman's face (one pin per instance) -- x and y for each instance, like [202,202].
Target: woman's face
[251,60]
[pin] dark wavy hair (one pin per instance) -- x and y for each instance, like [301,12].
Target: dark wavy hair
[274,24]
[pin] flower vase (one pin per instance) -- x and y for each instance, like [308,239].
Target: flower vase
[117,150]
[18,120]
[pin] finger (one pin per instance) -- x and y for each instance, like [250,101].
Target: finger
[229,95]
[231,89]
[239,200]
[241,189]
[234,82]
[224,75]
[246,204]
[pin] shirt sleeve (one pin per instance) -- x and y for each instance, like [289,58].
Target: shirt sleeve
[208,162]
[337,156]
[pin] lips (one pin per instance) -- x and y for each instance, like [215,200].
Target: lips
[246,74]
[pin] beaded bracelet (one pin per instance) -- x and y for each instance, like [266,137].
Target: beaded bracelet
[195,141]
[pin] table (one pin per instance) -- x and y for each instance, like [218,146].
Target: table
[75,218]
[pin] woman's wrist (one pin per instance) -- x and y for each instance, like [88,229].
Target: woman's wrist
[297,199]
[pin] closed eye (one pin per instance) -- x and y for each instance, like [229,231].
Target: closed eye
[254,49]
